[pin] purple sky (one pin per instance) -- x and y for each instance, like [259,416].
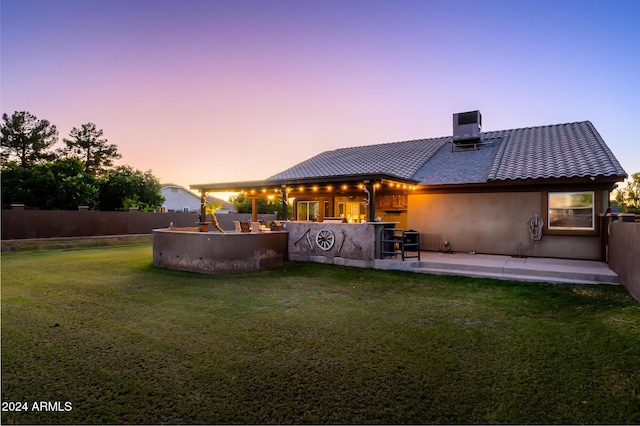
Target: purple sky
[204,91]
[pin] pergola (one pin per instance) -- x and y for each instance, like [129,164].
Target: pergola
[369,185]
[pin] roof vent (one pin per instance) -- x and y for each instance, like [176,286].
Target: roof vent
[467,127]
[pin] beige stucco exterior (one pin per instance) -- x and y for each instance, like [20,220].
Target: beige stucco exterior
[492,223]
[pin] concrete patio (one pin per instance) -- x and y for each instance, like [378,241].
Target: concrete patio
[505,267]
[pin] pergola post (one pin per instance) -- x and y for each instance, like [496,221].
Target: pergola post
[283,191]
[203,206]
[371,188]
[254,209]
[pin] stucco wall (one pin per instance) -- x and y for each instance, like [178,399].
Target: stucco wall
[624,254]
[492,223]
[213,252]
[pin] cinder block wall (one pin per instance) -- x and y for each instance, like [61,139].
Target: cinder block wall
[624,254]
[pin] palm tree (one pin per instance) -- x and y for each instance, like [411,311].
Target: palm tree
[210,209]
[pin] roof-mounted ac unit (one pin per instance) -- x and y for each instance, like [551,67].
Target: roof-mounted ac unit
[467,127]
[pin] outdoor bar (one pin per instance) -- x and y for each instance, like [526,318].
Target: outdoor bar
[334,220]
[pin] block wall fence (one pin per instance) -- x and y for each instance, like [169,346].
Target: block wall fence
[624,254]
[19,223]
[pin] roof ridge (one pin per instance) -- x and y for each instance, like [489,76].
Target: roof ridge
[387,143]
[538,127]
[164,185]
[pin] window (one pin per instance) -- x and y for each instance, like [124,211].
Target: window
[571,211]
[307,210]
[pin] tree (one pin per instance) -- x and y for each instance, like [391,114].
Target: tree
[211,209]
[124,187]
[628,197]
[96,153]
[265,206]
[58,185]
[243,204]
[27,139]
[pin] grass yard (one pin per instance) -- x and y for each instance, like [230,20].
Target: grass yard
[103,336]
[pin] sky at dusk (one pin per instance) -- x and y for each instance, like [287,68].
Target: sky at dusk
[202,91]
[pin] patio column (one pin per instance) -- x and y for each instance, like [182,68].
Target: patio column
[203,206]
[283,191]
[254,209]
[372,200]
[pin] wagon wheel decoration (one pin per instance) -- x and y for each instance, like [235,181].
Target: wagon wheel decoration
[325,239]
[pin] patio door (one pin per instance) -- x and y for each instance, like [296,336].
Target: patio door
[354,212]
[307,210]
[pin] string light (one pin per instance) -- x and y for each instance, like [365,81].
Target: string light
[328,188]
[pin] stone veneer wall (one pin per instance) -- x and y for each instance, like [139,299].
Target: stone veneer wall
[353,245]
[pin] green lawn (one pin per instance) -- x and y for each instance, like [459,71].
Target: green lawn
[125,342]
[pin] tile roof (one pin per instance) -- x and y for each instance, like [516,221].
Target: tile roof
[400,159]
[553,151]
[449,167]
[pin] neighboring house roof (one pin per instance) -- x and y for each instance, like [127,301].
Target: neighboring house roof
[553,151]
[225,205]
